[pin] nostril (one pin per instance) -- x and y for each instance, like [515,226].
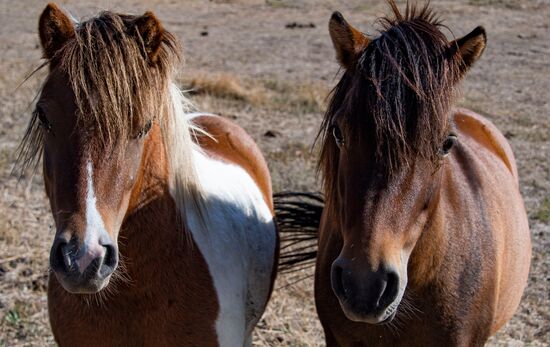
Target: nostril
[337,280]
[60,259]
[64,253]
[111,257]
[391,290]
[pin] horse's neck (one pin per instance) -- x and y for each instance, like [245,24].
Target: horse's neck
[152,176]
[428,254]
[451,232]
[151,215]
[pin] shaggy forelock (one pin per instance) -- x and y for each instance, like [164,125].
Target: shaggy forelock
[117,90]
[398,96]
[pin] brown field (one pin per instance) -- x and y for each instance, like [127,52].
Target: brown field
[267,77]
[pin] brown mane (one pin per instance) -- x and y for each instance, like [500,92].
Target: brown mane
[397,96]
[116,91]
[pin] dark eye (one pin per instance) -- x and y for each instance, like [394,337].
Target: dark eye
[338,137]
[44,123]
[448,144]
[145,130]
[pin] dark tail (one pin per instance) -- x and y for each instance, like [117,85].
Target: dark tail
[298,216]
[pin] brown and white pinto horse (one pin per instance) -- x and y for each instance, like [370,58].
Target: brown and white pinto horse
[160,241]
[424,238]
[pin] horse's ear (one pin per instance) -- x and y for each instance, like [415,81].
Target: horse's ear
[469,48]
[348,41]
[54,28]
[151,33]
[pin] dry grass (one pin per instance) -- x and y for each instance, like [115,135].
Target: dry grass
[543,212]
[290,319]
[303,97]
[225,86]
[23,267]
[505,3]
[270,94]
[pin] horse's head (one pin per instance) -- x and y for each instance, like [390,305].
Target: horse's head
[386,134]
[93,116]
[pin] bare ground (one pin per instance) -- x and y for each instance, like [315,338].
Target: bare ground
[275,79]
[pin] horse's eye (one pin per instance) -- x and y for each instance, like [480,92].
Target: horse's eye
[448,144]
[145,130]
[44,122]
[338,137]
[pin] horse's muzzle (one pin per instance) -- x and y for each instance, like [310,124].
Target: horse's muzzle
[366,296]
[83,268]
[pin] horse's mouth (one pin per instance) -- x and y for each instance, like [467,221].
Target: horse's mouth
[388,319]
[76,284]
[384,317]
[89,288]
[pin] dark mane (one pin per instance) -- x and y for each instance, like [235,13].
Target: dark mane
[397,96]
[117,89]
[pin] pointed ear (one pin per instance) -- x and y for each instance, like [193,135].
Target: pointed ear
[348,41]
[54,28]
[151,33]
[470,48]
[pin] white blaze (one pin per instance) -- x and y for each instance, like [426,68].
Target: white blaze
[95,228]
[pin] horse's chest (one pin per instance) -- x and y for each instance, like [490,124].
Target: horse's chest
[159,315]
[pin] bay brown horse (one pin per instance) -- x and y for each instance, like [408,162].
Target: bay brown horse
[164,235]
[424,239]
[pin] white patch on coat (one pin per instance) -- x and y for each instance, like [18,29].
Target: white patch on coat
[238,245]
[236,237]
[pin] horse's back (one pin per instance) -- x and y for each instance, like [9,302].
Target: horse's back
[487,135]
[240,244]
[491,160]
[231,143]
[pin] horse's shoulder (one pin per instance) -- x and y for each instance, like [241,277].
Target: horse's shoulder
[474,127]
[225,133]
[230,143]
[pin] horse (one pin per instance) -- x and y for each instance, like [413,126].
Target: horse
[164,218]
[424,238]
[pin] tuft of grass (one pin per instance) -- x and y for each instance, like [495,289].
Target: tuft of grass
[271,94]
[293,167]
[310,97]
[543,213]
[13,317]
[6,158]
[281,4]
[511,4]
[305,97]
[225,86]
